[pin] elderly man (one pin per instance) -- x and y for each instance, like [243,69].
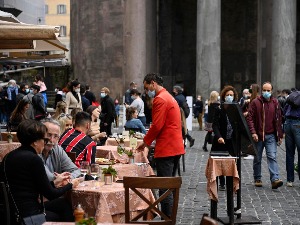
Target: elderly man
[76,139]
[55,158]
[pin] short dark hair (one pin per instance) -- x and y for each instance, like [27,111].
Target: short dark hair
[36,87]
[135,91]
[74,83]
[82,118]
[153,77]
[30,131]
[82,89]
[22,86]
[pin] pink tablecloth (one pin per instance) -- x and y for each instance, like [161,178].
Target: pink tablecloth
[6,147]
[112,141]
[107,203]
[133,170]
[111,151]
[70,223]
[218,167]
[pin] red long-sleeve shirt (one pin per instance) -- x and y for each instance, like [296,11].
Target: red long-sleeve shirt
[166,126]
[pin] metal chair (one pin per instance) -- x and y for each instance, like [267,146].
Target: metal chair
[172,186]
[4,205]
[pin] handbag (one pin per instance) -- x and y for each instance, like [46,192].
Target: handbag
[38,219]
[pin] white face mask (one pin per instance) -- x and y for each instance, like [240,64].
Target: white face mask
[77,90]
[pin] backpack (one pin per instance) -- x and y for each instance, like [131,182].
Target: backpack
[294,99]
[186,109]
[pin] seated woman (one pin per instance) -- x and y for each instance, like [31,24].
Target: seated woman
[60,108]
[24,172]
[18,115]
[65,121]
[94,132]
[132,121]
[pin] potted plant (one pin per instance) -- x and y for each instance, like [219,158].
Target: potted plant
[122,142]
[87,221]
[10,137]
[130,155]
[131,133]
[109,173]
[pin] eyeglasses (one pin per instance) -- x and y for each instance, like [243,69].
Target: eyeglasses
[46,140]
[65,115]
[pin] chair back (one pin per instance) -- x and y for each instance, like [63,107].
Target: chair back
[170,184]
[206,220]
[133,129]
[4,205]
[72,156]
[5,133]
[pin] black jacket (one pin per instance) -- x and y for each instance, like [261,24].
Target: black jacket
[108,112]
[38,104]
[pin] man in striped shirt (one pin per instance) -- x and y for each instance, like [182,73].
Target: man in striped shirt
[77,140]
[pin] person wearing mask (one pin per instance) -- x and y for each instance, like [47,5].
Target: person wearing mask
[84,147]
[39,81]
[57,162]
[24,166]
[138,103]
[117,109]
[85,102]
[108,112]
[166,130]
[30,111]
[264,121]
[38,104]
[198,111]
[128,99]
[73,97]
[222,127]
[11,97]
[179,97]
[23,90]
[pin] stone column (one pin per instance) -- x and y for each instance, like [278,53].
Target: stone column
[208,77]
[135,42]
[284,44]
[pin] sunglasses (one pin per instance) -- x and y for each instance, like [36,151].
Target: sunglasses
[65,115]
[46,140]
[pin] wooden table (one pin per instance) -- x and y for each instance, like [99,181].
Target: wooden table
[107,203]
[111,151]
[6,147]
[222,167]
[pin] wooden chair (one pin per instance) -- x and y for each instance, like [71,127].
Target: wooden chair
[206,220]
[72,156]
[172,186]
[5,133]
[4,205]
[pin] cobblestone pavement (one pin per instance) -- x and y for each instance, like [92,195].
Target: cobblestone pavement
[274,207]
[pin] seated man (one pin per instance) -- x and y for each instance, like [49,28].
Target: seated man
[55,158]
[76,139]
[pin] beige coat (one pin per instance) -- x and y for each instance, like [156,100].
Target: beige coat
[72,102]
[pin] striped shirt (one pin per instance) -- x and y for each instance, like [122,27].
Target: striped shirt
[76,141]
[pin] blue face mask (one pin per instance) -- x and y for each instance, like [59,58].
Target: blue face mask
[266,94]
[132,97]
[151,94]
[102,95]
[27,90]
[229,98]
[31,91]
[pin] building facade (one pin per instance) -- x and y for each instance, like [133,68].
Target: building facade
[202,45]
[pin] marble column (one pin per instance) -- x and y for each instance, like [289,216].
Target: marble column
[135,42]
[208,71]
[284,44]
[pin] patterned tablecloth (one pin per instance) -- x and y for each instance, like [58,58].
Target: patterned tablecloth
[110,151]
[218,167]
[107,203]
[6,147]
[70,223]
[112,141]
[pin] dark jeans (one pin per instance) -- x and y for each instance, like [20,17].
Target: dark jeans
[59,210]
[167,167]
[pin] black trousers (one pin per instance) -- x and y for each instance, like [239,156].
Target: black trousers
[167,167]
[59,210]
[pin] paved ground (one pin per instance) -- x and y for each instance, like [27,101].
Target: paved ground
[274,207]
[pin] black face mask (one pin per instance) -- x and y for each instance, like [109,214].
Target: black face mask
[250,91]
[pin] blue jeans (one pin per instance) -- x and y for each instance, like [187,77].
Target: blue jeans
[271,150]
[292,140]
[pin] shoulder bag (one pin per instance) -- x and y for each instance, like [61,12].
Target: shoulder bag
[38,219]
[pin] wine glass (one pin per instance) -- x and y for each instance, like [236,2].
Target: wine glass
[95,170]
[84,168]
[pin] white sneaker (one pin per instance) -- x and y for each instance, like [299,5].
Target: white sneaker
[289,184]
[248,157]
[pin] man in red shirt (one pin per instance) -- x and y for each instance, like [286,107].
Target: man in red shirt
[165,130]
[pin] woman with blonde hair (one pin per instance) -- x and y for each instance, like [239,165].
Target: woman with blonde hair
[213,103]
[60,108]
[65,121]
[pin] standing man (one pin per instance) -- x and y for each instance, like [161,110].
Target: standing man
[128,99]
[89,94]
[292,139]
[264,121]
[38,104]
[179,97]
[166,130]
[54,157]
[198,111]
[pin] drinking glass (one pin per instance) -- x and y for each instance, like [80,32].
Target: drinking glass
[95,170]
[84,168]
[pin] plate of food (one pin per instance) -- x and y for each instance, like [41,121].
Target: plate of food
[103,161]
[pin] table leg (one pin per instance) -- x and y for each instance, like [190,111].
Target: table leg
[230,203]
[213,209]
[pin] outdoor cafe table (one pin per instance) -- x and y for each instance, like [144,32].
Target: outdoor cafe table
[72,223]
[107,203]
[6,147]
[112,141]
[133,170]
[111,151]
